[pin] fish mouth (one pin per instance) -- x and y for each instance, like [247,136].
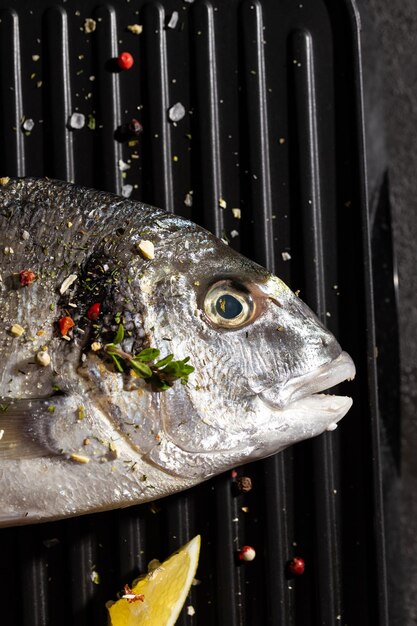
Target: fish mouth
[303,394]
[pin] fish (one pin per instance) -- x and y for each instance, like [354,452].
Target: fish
[140,355]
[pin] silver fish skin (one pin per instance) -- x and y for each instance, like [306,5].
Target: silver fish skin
[78,436]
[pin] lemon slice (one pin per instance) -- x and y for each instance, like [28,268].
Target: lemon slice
[164,590]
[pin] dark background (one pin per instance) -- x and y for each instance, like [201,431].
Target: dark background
[395,32]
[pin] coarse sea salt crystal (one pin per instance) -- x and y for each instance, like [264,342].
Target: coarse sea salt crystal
[332,426]
[176,112]
[188,200]
[127,191]
[77,121]
[173,20]
[28,125]
[286,256]
[123,166]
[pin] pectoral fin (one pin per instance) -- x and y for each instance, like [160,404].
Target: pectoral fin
[24,427]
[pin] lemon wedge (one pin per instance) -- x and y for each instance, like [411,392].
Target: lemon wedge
[158,597]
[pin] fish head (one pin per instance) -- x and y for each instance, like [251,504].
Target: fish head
[261,356]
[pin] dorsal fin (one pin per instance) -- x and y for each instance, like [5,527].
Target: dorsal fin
[22,423]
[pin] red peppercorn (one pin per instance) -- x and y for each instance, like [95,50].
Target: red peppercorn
[94,311]
[247,553]
[125,60]
[296,566]
[65,323]
[27,277]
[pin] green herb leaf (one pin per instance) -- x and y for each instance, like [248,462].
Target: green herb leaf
[119,335]
[91,122]
[164,361]
[160,375]
[157,383]
[4,407]
[172,369]
[117,362]
[143,370]
[147,355]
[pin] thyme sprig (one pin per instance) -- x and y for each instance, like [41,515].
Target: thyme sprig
[161,374]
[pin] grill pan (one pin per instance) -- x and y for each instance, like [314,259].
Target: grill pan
[275,126]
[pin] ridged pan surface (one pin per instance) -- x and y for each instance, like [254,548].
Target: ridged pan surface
[273,126]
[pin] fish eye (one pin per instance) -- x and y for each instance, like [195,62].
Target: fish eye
[228,305]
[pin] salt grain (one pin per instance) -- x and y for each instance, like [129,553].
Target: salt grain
[28,125]
[188,200]
[173,21]
[77,121]
[176,112]
[123,166]
[127,191]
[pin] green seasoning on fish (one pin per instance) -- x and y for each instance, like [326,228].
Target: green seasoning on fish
[144,358]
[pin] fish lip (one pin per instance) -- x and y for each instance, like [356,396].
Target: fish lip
[324,377]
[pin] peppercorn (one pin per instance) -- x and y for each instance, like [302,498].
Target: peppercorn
[296,566]
[27,277]
[247,553]
[65,323]
[94,311]
[135,127]
[125,60]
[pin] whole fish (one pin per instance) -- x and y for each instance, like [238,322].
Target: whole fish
[140,355]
